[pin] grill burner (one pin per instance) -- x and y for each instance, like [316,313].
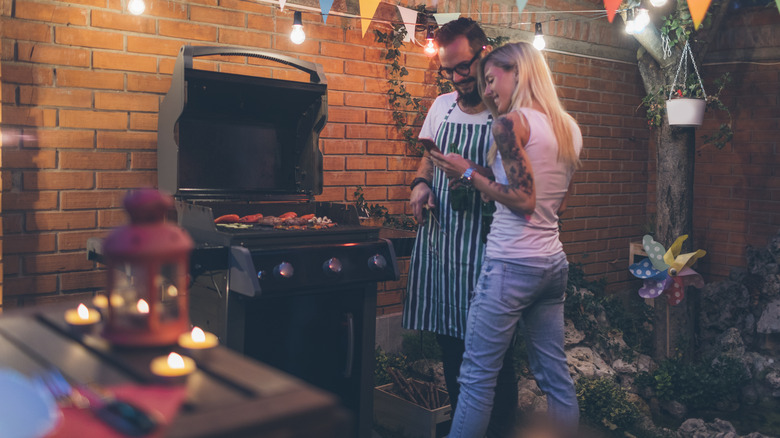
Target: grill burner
[303,300]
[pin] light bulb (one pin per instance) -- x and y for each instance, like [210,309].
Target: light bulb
[630,22]
[297,36]
[657,3]
[136,7]
[430,49]
[539,37]
[641,20]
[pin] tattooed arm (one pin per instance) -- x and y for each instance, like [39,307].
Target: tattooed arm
[511,133]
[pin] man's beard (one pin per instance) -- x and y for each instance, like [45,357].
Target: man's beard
[469,98]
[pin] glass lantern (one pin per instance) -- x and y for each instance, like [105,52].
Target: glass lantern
[148,266]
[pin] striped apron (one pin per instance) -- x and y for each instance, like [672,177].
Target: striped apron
[448,251]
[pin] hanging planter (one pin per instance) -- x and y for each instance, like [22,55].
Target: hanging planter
[686,104]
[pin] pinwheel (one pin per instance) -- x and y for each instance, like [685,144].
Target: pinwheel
[667,271]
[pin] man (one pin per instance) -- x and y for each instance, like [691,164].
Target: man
[448,251]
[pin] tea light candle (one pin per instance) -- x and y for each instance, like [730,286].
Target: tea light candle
[82,318]
[172,367]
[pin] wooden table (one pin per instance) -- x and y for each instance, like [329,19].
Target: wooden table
[228,396]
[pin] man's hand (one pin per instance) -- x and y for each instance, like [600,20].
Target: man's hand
[422,197]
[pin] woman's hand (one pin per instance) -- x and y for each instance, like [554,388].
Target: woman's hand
[453,165]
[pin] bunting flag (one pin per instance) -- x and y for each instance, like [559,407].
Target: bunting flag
[777,2]
[367,10]
[444,18]
[409,18]
[698,10]
[325,6]
[611,6]
[283,2]
[521,5]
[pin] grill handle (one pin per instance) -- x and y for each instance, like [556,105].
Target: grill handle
[315,71]
[350,344]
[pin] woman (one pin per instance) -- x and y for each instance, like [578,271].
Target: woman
[524,274]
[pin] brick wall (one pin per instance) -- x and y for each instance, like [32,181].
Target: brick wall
[82,83]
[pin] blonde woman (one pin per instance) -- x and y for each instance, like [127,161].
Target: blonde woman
[524,273]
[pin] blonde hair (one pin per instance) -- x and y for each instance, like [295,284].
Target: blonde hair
[534,86]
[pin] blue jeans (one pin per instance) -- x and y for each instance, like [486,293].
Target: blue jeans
[531,290]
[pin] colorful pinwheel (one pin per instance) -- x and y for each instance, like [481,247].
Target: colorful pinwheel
[667,271]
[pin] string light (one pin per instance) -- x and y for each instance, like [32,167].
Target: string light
[430,49]
[641,20]
[630,22]
[297,36]
[657,3]
[539,37]
[136,7]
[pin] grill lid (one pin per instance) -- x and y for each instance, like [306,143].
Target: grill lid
[224,135]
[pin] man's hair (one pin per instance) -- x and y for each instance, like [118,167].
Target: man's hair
[462,26]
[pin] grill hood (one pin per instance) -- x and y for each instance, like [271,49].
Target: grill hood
[231,136]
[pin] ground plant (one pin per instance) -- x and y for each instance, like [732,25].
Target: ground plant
[603,402]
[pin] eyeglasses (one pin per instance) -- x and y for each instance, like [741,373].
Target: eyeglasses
[463,69]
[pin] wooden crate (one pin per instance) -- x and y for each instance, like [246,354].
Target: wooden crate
[398,414]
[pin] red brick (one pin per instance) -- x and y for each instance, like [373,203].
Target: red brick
[59,97]
[385,178]
[39,284]
[122,21]
[93,119]
[29,159]
[126,180]
[217,16]
[26,31]
[332,163]
[73,240]
[167,9]
[366,132]
[90,79]
[59,138]
[143,160]
[51,221]
[153,46]
[27,74]
[245,37]
[94,199]
[126,101]
[127,140]
[50,13]
[29,243]
[71,281]
[12,223]
[346,115]
[43,264]
[27,200]
[57,180]
[366,163]
[143,122]
[123,62]
[187,31]
[71,36]
[28,116]
[340,146]
[70,160]
[344,178]
[111,218]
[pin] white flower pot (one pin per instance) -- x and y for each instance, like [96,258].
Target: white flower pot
[685,112]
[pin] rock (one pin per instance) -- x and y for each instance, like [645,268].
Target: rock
[697,428]
[530,397]
[583,361]
[674,408]
[770,318]
[571,335]
[645,363]
[731,344]
[624,367]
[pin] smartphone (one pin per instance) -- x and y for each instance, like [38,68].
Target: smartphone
[429,145]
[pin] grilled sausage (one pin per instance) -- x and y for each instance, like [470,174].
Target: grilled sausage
[250,219]
[227,219]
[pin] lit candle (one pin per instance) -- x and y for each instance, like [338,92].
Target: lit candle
[101,301]
[197,342]
[82,318]
[173,367]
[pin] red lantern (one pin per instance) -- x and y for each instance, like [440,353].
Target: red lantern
[148,263]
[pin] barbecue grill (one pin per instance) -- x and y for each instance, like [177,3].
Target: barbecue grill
[302,299]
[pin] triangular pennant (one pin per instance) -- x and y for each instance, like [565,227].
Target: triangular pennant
[777,2]
[443,18]
[698,10]
[325,6]
[521,5]
[611,6]
[282,3]
[409,18]
[367,10]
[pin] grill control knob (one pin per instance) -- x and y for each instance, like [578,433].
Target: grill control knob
[262,275]
[377,262]
[332,267]
[284,270]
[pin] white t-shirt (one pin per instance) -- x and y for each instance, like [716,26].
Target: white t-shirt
[514,236]
[438,112]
